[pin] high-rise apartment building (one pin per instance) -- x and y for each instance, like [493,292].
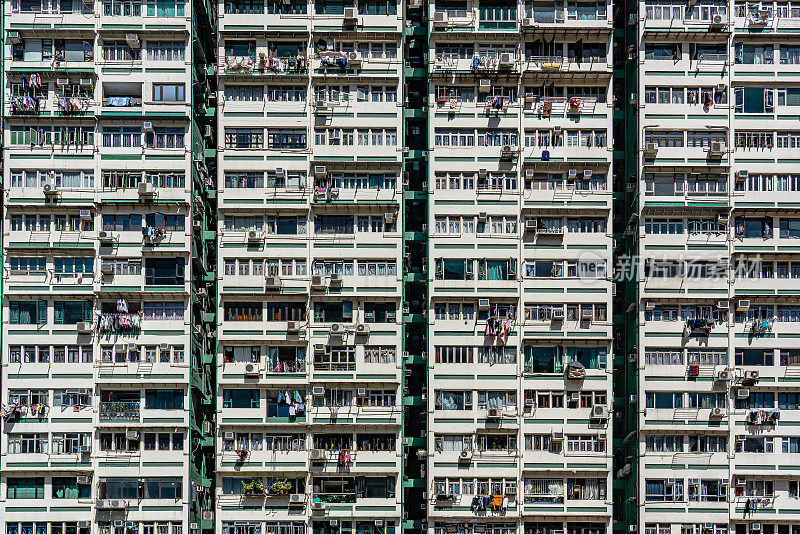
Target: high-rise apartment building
[367,266]
[108,249]
[717,349]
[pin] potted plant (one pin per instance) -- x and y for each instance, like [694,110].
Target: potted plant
[280,487]
[254,487]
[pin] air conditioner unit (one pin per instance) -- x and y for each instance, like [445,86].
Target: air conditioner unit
[723,305]
[317,505]
[147,126]
[361,392]
[742,393]
[118,523]
[86,215]
[272,281]
[719,19]
[320,171]
[484,85]
[86,82]
[133,40]
[318,390]
[84,479]
[292,326]
[740,480]
[321,104]
[349,13]
[494,413]
[317,454]
[388,217]
[379,522]
[49,189]
[752,375]
[742,305]
[557,435]
[354,59]
[724,376]
[482,173]
[107,268]
[722,218]
[131,434]
[483,304]
[572,173]
[587,315]
[439,18]
[146,189]
[362,328]
[649,305]
[509,150]
[250,369]
[741,437]
[650,148]
[61,82]
[574,397]
[208,515]
[228,436]
[336,329]
[208,428]
[755,527]
[531,223]
[742,175]
[319,348]
[83,327]
[716,147]
[506,59]
[317,281]
[557,314]
[15,37]
[254,236]
[465,454]
[599,411]
[296,498]
[718,412]
[483,216]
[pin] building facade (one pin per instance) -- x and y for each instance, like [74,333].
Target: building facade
[110,236]
[288,266]
[716,322]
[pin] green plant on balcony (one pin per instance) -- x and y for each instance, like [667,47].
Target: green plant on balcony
[254,487]
[280,487]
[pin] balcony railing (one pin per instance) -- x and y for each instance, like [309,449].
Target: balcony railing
[335,497]
[119,411]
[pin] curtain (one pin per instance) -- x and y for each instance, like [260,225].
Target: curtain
[496,270]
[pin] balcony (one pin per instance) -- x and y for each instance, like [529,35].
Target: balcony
[272,66]
[119,411]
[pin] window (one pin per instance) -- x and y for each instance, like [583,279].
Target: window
[664,400]
[68,488]
[166,50]
[27,443]
[240,398]
[380,354]
[294,225]
[244,137]
[243,311]
[453,400]
[286,138]
[70,442]
[164,271]
[669,490]
[28,312]
[162,137]
[244,7]
[169,92]
[25,488]
[145,488]
[72,311]
[163,399]
[119,51]
[122,137]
